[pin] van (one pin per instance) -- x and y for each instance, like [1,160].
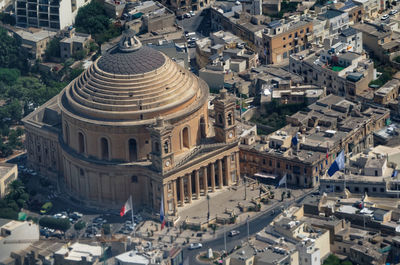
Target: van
[46,208]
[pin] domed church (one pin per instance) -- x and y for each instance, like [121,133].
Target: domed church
[136,124]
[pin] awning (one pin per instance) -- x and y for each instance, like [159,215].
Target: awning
[266,176]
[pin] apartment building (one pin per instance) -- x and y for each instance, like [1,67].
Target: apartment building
[74,43]
[16,236]
[8,173]
[378,41]
[330,125]
[54,14]
[355,11]
[34,42]
[387,93]
[336,20]
[370,7]
[342,73]
[281,39]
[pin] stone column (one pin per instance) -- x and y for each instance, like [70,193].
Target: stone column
[212,171]
[237,165]
[189,187]
[205,181]
[227,170]
[165,199]
[197,184]
[181,191]
[220,179]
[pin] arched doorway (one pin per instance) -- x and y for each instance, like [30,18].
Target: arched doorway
[132,150]
[104,148]
[81,143]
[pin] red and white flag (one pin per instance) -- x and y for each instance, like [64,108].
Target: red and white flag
[127,207]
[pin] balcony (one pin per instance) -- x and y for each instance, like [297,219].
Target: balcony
[21,4]
[32,15]
[54,10]
[54,18]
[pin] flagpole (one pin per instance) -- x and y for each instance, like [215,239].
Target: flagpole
[134,233]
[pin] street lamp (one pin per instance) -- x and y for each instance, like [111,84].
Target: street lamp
[208,214]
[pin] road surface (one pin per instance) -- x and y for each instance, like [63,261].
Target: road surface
[254,225]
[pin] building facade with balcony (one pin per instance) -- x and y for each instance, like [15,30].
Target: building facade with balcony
[54,14]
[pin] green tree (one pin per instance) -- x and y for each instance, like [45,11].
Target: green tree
[16,189]
[9,50]
[7,19]
[53,49]
[8,213]
[9,76]
[80,55]
[93,19]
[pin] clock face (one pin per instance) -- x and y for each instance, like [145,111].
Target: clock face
[167,163]
[230,135]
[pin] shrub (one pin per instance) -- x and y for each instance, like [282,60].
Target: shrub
[107,229]
[79,225]
[54,223]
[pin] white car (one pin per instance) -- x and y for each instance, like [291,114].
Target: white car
[393,12]
[187,15]
[195,246]
[192,13]
[384,17]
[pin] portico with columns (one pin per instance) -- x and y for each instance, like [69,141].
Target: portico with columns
[197,182]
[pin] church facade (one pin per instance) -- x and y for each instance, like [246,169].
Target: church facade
[135,124]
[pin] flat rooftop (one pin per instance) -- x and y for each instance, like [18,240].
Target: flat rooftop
[5,168]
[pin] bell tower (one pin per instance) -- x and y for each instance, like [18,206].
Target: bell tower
[225,125]
[162,157]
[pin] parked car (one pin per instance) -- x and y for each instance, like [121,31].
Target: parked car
[393,12]
[384,17]
[187,15]
[195,246]
[233,233]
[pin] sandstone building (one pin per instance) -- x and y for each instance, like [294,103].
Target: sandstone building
[135,123]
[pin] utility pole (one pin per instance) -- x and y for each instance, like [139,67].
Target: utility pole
[225,240]
[248,230]
[245,187]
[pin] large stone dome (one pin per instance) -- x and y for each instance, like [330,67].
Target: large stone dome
[133,83]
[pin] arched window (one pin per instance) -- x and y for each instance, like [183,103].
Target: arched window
[81,143]
[132,150]
[104,149]
[230,119]
[203,128]
[66,134]
[166,147]
[185,137]
[220,120]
